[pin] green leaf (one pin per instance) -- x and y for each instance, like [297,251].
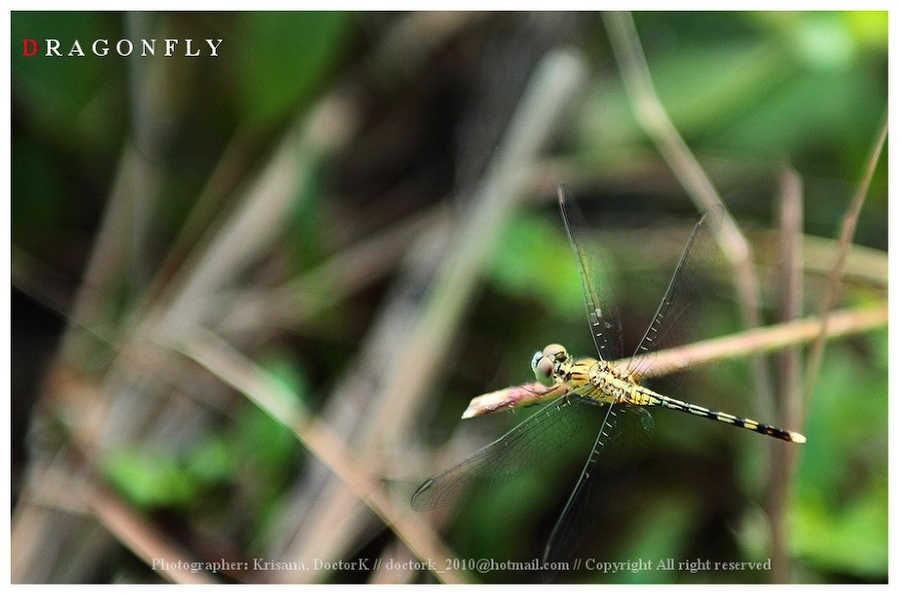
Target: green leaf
[656,537]
[149,480]
[288,55]
[852,540]
[259,439]
[840,513]
[211,461]
[534,259]
[72,100]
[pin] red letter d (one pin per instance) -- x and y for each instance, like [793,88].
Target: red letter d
[29,47]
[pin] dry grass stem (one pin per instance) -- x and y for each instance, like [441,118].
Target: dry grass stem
[144,540]
[864,265]
[393,398]
[554,84]
[834,280]
[654,120]
[260,215]
[762,340]
[769,339]
[256,384]
[787,380]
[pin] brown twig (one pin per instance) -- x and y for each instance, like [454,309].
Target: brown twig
[301,299]
[143,539]
[834,280]
[762,340]
[653,119]
[770,339]
[787,380]
[396,381]
[865,265]
[256,384]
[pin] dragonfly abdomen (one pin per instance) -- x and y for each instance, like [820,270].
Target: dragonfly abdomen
[753,425]
[601,381]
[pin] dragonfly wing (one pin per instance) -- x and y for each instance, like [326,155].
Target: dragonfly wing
[682,293]
[624,428]
[538,436]
[602,314]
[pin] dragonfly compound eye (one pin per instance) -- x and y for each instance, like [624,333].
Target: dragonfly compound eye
[543,371]
[556,352]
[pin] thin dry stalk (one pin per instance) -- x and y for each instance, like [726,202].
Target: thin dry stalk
[149,102]
[769,339]
[787,385]
[864,265]
[792,294]
[354,268]
[91,305]
[398,391]
[220,186]
[216,356]
[654,120]
[259,217]
[551,90]
[151,546]
[832,289]
[762,340]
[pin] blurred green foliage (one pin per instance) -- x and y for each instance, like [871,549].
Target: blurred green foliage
[73,104]
[291,53]
[534,259]
[250,450]
[154,480]
[808,88]
[841,510]
[72,114]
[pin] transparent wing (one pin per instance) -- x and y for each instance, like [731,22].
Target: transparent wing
[623,429]
[602,314]
[683,290]
[538,436]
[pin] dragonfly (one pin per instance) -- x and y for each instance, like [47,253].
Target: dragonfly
[580,387]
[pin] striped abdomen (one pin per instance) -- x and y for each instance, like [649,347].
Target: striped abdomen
[601,381]
[763,429]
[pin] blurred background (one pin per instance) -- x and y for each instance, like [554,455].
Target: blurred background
[353,216]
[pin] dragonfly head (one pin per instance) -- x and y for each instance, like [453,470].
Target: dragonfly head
[545,363]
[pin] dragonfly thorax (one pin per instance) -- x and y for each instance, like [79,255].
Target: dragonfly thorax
[597,379]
